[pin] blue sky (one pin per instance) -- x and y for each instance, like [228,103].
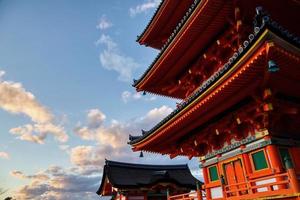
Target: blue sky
[66,100]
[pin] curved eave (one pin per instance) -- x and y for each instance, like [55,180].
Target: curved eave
[203,91]
[196,19]
[104,177]
[165,18]
[151,23]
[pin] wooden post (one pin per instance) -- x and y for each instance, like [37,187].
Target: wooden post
[206,181]
[274,158]
[292,175]
[275,162]
[199,191]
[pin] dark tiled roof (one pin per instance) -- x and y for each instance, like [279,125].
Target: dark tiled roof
[261,24]
[129,175]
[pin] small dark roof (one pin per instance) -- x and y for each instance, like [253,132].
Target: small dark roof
[131,175]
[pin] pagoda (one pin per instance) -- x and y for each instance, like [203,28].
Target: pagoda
[235,67]
[130,181]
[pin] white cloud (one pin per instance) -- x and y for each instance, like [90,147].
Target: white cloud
[95,118]
[115,134]
[15,99]
[37,133]
[4,155]
[104,23]
[111,58]
[144,7]
[112,139]
[128,96]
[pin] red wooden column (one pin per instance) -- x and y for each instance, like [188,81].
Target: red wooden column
[206,181]
[199,191]
[275,162]
[292,175]
[274,158]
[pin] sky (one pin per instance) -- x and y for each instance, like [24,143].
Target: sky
[66,100]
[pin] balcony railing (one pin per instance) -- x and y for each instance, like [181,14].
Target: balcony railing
[198,195]
[278,185]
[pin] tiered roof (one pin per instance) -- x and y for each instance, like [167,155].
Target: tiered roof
[234,81]
[195,35]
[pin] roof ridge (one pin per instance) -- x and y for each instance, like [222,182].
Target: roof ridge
[145,166]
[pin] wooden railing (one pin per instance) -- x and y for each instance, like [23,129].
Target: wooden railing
[274,185]
[197,195]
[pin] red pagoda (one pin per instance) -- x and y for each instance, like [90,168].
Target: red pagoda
[235,65]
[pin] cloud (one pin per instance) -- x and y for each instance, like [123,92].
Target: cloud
[83,178]
[16,99]
[144,7]
[104,23]
[37,133]
[85,156]
[128,96]
[57,184]
[4,155]
[111,140]
[154,116]
[36,177]
[111,58]
[95,118]
[115,134]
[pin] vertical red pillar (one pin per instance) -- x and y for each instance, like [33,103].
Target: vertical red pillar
[206,181]
[199,191]
[274,158]
[292,175]
[275,161]
[247,162]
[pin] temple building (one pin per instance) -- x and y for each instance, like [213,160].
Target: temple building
[234,65]
[129,181]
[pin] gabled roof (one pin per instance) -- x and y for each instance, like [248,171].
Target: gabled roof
[268,28]
[130,175]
